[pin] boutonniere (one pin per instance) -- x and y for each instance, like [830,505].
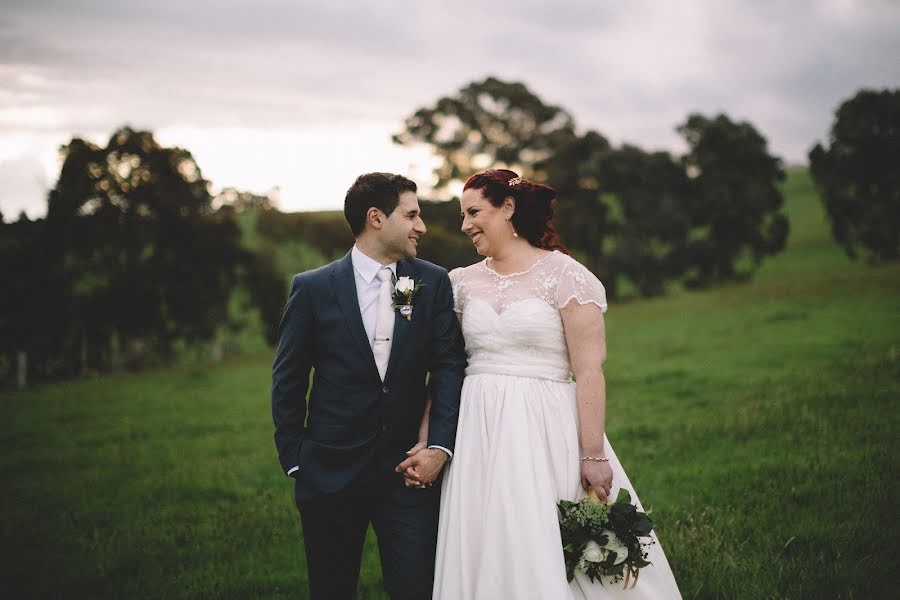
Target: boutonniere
[404,291]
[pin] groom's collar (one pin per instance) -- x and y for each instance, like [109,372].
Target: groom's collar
[368,267]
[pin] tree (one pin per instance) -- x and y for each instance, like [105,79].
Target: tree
[493,123]
[626,214]
[235,200]
[647,225]
[621,211]
[858,176]
[326,231]
[576,170]
[34,316]
[147,256]
[734,200]
[267,287]
[489,123]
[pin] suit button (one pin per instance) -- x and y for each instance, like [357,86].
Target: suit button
[386,390]
[385,428]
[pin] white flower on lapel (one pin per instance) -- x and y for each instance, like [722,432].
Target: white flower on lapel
[404,290]
[404,285]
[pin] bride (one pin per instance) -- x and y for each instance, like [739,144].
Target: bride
[528,435]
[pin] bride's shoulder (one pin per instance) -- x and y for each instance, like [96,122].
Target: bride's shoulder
[455,276]
[574,281]
[560,261]
[459,274]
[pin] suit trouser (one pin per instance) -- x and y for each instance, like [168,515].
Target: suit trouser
[405,521]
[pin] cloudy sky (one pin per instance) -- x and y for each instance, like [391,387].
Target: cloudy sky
[303,96]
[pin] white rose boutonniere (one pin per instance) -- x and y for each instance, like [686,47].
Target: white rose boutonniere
[405,290]
[405,285]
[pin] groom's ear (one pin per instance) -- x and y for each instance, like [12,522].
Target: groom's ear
[375,218]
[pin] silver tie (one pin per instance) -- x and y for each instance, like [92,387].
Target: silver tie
[384,326]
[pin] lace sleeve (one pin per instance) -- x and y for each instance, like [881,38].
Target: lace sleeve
[456,277]
[576,282]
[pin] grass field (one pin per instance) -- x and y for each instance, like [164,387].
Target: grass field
[760,421]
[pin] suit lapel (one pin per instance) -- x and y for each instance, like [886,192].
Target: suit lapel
[405,268]
[344,282]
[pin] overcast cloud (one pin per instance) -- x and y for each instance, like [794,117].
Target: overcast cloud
[281,70]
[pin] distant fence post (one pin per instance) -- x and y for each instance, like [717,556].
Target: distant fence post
[84,354]
[217,352]
[136,354]
[22,368]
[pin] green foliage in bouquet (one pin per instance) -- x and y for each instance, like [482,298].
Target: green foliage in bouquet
[604,539]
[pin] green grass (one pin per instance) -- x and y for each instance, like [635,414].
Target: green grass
[758,420]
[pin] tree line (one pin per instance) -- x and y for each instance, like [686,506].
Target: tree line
[130,260]
[135,257]
[638,219]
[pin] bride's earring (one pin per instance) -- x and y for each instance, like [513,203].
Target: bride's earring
[511,226]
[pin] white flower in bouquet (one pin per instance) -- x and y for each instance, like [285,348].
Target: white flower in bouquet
[615,545]
[593,552]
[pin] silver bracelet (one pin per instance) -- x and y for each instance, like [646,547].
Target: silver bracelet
[597,458]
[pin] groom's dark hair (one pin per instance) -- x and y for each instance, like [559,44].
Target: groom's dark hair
[381,190]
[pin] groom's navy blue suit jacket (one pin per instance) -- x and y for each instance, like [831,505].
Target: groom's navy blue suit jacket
[353,421]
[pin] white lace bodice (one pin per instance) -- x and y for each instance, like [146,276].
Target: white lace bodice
[511,323]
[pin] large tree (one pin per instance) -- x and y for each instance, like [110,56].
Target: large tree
[488,123]
[648,225]
[134,224]
[576,170]
[858,176]
[734,200]
[494,123]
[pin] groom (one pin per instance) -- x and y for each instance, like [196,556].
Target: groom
[362,421]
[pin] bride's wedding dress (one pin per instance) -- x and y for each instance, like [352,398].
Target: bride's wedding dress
[517,448]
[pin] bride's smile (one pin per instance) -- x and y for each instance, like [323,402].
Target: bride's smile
[487,226]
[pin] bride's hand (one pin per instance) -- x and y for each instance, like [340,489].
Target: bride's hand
[415,449]
[598,475]
[410,475]
[422,468]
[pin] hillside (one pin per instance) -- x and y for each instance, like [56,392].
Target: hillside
[758,420]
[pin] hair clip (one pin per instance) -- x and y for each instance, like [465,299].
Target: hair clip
[514,181]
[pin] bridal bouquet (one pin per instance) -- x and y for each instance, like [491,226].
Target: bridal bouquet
[603,539]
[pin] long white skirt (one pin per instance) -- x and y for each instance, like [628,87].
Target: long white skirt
[516,456]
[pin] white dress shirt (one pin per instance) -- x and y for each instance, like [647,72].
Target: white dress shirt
[368,287]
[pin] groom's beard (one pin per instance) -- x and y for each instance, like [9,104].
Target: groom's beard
[414,249]
[407,248]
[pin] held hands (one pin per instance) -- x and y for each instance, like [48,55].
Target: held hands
[598,475]
[422,466]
